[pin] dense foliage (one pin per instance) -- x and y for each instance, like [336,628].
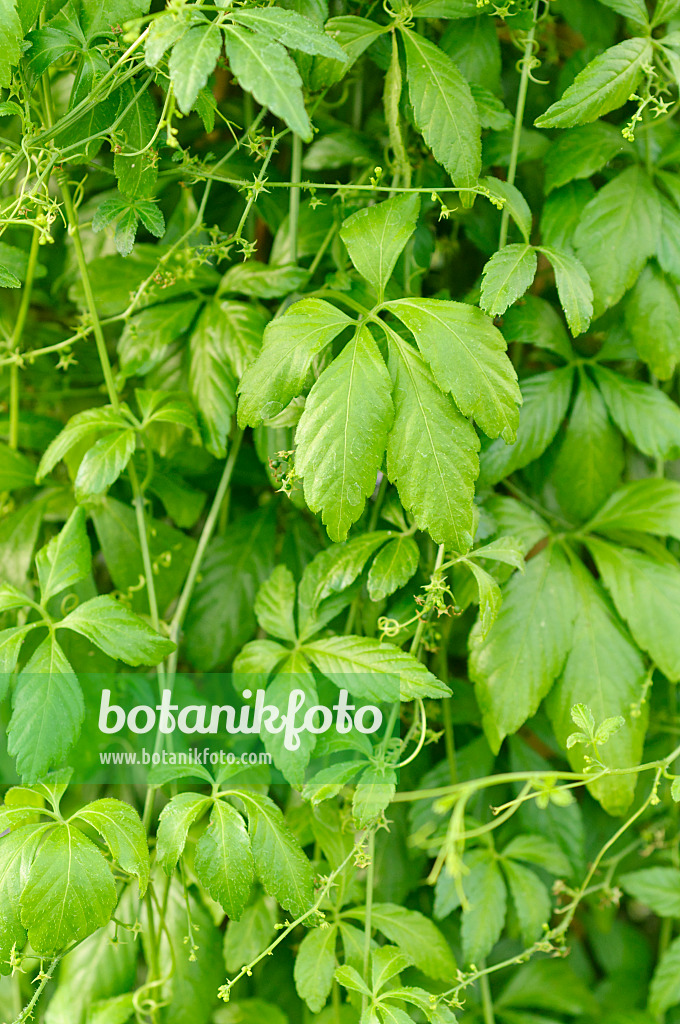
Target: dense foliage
[339,348]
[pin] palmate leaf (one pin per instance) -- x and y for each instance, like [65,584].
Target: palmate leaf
[467,355]
[48,711]
[443,109]
[431,451]
[342,434]
[289,345]
[376,236]
[264,69]
[605,84]
[605,669]
[515,666]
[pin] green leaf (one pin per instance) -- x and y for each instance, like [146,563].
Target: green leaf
[78,428]
[11,641]
[580,153]
[234,566]
[536,849]
[604,669]
[633,9]
[17,851]
[289,345]
[147,337]
[664,11]
[16,470]
[533,321]
[415,935]
[376,235]
[649,506]
[664,991]
[291,29]
[265,281]
[223,861]
[652,314]
[393,567]
[431,452]
[121,829]
[573,288]
[117,1010]
[605,84]
[264,69]
[483,919]
[151,217]
[515,667]
[647,417]
[70,891]
[315,966]
[243,326]
[371,669]
[66,559]
[545,399]
[443,109]
[245,939]
[507,275]
[137,173]
[618,232]
[373,794]
[8,279]
[467,355]
[164,31]
[275,604]
[386,962]
[280,864]
[192,60]
[212,381]
[513,202]
[490,599]
[658,888]
[342,434]
[101,17]
[645,592]
[446,9]
[117,631]
[48,711]
[590,461]
[531,899]
[11,35]
[104,462]
[176,819]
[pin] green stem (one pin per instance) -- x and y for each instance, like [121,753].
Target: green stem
[487,1001]
[370,882]
[89,295]
[27,1012]
[519,119]
[15,344]
[154,970]
[294,198]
